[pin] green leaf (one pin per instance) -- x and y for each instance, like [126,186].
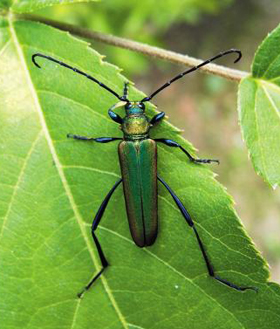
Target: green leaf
[5,4]
[24,6]
[259,109]
[52,186]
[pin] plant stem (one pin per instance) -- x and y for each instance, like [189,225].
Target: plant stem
[156,52]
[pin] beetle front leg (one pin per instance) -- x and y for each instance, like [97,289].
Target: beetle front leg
[98,140]
[170,142]
[95,223]
[158,117]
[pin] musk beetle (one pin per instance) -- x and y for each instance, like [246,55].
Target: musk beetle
[138,162]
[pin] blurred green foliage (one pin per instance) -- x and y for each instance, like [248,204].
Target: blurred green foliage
[4,4]
[144,21]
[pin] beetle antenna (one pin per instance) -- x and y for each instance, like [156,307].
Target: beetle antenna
[179,76]
[121,98]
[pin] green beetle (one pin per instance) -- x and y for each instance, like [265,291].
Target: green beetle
[138,162]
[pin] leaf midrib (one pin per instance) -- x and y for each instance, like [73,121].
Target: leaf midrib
[272,86]
[262,84]
[61,174]
[258,130]
[19,180]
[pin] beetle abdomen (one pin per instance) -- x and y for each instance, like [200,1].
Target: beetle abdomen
[138,160]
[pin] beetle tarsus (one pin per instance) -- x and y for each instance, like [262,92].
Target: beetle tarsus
[80,294]
[80,137]
[205,161]
[232,285]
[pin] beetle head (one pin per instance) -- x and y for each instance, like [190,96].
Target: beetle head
[135,107]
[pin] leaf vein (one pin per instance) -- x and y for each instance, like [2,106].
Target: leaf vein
[135,326]
[16,186]
[76,313]
[174,270]
[270,64]
[5,46]
[207,232]
[258,134]
[91,169]
[86,107]
[272,102]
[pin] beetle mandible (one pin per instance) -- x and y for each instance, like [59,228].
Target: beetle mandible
[138,162]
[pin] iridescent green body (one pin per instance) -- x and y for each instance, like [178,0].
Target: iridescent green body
[138,161]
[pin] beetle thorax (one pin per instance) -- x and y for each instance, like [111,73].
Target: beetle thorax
[135,124]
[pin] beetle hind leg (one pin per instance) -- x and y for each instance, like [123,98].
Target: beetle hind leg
[209,266]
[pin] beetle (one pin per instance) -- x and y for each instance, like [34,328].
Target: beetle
[138,162]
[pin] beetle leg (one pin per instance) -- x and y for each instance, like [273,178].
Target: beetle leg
[95,223]
[209,266]
[158,117]
[170,142]
[115,117]
[98,140]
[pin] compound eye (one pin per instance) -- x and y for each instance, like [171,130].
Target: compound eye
[128,106]
[142,106]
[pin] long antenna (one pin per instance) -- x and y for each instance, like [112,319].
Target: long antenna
[179,76]
[121,98]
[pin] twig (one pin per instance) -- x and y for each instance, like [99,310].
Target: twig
[167,55]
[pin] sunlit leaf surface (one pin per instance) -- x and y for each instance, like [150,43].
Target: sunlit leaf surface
[259,109]
[52,186]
